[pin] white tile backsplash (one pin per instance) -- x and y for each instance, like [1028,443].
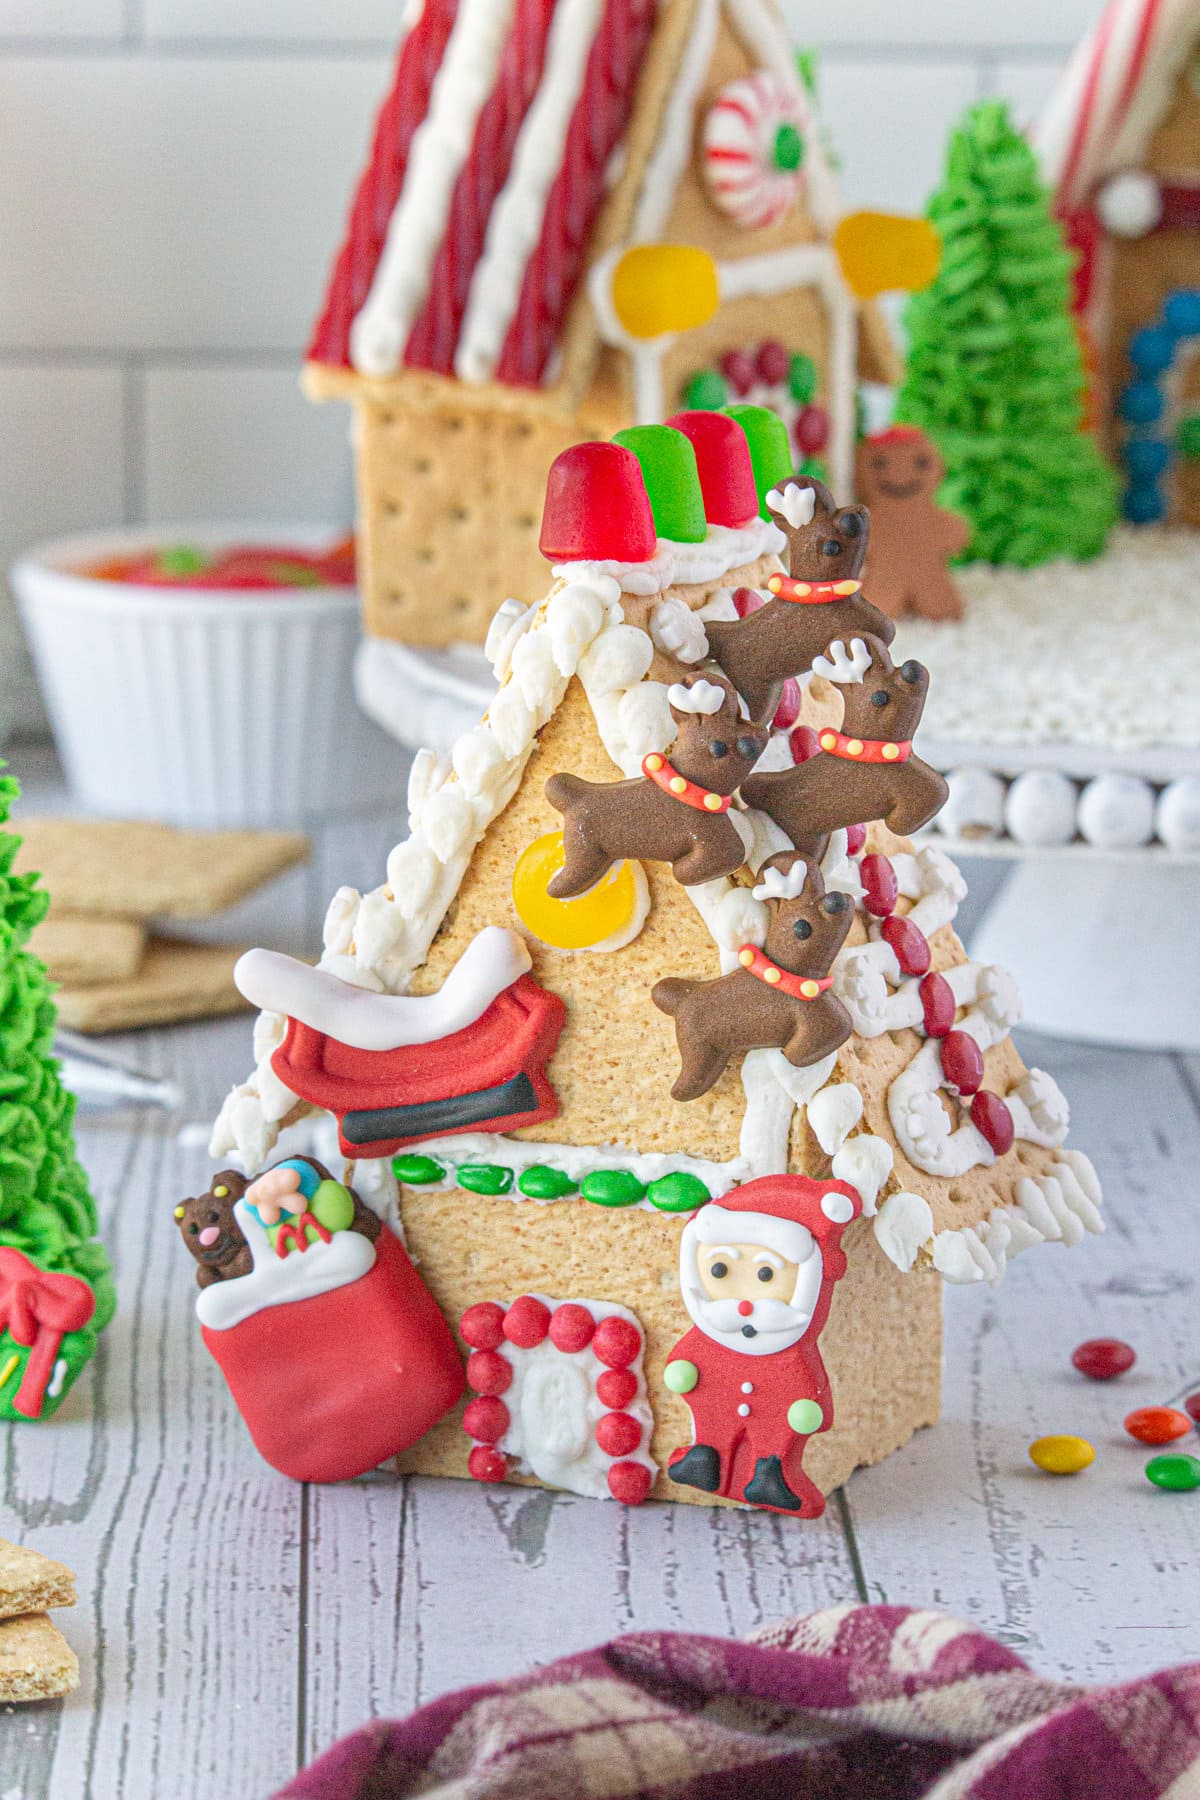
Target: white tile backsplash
[174,175]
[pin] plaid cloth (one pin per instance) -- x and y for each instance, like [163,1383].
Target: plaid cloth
[854,1703]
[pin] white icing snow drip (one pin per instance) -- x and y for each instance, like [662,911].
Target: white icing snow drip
[682,565]
[833,1114]
[1062,1207]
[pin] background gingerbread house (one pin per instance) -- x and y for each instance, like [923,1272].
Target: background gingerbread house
[520,146]
[1120,145]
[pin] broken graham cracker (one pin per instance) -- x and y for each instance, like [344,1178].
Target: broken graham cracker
[126,869]
[36,1661]
[177,981]
[83,952]
[31,1582]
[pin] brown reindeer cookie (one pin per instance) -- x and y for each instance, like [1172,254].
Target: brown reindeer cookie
[779,998]
[677,811]
[866,770]
[817,601]
[912,538]
[212,1233]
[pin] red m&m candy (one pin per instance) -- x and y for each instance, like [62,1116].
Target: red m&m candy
[1157,1424]
[1100,1359]
[1191,1407]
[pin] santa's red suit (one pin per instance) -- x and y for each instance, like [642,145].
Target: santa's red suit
[751,1370]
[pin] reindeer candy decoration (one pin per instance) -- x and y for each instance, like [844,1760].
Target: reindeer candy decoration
[820,599]
[677,811]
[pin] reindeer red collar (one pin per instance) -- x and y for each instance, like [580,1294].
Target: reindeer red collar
[667,777]
[880,750]
[812,593]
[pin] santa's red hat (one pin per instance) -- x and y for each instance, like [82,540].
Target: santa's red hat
[783,1213]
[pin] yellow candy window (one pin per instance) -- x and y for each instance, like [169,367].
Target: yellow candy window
[611,910]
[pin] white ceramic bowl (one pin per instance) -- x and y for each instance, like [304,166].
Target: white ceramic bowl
[202,707]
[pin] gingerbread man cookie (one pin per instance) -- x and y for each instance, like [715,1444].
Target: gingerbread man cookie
[912,538]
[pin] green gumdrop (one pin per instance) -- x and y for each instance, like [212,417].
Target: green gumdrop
[770,452]
[1187,438]
[705,391]
[416,1171]
[540,1182]
[802,378]
[612,1187]
[672,481]
[333,1206]
[485,1178]
[1176,1472]
[678,1192]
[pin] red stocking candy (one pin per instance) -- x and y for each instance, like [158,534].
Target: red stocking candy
[880,890]
[992,1118]
[747,600]
[803,743]
[629,1482]
[617,1342]
[723,463]
[486,1464]
[908,942]
[618,1433]
[571,1328]
[937,1003]
[488,1372]
[962,1063]
[526,1322]
[597,508]
[788,710]
[486,1419]
[856,837]
[616,1388]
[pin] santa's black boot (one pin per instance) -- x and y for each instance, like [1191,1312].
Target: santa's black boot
[768,1488]
[699,1467]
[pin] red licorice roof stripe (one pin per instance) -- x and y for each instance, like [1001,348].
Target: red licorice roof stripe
[379,186]
[597,126]
[434,336]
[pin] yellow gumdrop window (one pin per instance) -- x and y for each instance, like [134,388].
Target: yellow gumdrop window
[613,908]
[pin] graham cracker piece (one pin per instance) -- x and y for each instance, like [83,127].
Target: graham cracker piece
[127,869]
[36,1661]
[31,1582]
[176,981]
[82,952]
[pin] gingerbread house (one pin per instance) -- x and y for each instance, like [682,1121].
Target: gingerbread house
[470,319]
[1120,145]
[585,1163]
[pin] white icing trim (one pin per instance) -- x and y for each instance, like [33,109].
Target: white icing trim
[672,152]
[276,1280]
[440,147]
[515,223]
[865,1161]
[682,565]
[903,1227]
[833,1114]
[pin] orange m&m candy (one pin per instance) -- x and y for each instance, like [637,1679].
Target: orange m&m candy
[1157,1424]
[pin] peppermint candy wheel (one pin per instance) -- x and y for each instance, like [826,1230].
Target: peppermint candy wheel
[754,144]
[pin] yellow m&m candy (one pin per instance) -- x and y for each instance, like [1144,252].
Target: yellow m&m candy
[613,909]
[1061,1454]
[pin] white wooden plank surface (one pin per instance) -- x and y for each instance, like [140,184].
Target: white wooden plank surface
[231,1625]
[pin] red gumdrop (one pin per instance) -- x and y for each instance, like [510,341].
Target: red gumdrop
[908,942]
[747,601]
[1100,1359]
[811,430]
[739,372]
[937,1004]
[488,1372]
[880,888]
[991,1117]
[486,1464]
[526,1322]
[616,1388]
[482,1326]
[856,837]
[629,1482]
[486,1419]
[596,507]
[617,1342]
[774,363]
[723,465]
[788,710]
[1157,1424]
[803,743]
[571,1328]
[962,1062]
[617,1433]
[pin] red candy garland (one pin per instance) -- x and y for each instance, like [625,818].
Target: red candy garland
[570,1327]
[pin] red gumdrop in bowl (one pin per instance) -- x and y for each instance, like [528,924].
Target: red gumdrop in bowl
[880,887]
[1100,1359]
[788,710]
[992,1119]
[1157,1424]
[962,1062]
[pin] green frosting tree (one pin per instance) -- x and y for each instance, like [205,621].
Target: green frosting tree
[995,373]
[56,1291]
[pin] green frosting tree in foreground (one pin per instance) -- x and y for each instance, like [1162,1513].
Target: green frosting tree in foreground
[994,372]
[56,1291]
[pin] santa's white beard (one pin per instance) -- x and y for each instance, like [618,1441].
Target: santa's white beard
[776,1325]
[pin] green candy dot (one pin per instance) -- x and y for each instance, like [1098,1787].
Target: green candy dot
[787,152]
[802,377]
[182,560]
[705,391]
[672,480]
[540,1182]
[612,1187]
[1188,437]
[680,1377]
[678,1192]
[416,1171]
[1179,1473]
[485,1178]
[804,1417]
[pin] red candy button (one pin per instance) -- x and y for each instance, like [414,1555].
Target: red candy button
[616,1388]
[909,943]
[486,1464]
[488,1372]
[880,890]
[618,1433]
[962,1062]
[526,1322]
[482,1326]
[937,1005]
[597,507]
[486,1419]
[1102,1358]
[1157,1424]
[617,1342]
[992,1119]
[629,1482]
[572,1328]
[723,465]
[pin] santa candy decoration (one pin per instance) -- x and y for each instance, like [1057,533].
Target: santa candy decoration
[757,1270]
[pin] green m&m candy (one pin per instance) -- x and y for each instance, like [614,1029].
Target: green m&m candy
[540,1182]
[1174,1471]
[612,1187]
[678,1192]
[416,1171]
[485,1178]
